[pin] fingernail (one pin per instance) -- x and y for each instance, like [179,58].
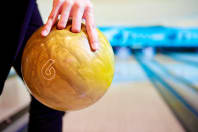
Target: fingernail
[96,46]
[44,33]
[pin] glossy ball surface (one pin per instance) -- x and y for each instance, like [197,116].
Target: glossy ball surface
[62,72]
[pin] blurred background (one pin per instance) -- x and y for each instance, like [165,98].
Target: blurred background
[155,88]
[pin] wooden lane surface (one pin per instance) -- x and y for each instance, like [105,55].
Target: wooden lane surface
[126,107]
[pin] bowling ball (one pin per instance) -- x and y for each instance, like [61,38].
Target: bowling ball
[62,72]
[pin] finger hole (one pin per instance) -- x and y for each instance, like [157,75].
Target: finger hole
[70,28]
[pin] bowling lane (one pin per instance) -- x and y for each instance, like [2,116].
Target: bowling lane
[175,81]
[181,65]
[131,104]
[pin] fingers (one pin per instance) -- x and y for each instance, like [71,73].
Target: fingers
[78,11]
[91,28]
[64,15]
[51,20]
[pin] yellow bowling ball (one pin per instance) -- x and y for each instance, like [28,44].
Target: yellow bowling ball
[62,72]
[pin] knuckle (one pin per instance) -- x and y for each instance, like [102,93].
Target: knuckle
[89,14]
[78,5]
[51,17]
[58,1]
[90,5]
[68,2]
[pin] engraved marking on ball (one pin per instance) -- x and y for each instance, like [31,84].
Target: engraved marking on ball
[48,70]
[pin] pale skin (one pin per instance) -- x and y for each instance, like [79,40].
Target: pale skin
[76,10]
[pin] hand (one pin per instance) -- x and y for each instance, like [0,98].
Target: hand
[76,9]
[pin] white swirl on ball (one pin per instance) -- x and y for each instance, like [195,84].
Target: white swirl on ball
[48,70]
